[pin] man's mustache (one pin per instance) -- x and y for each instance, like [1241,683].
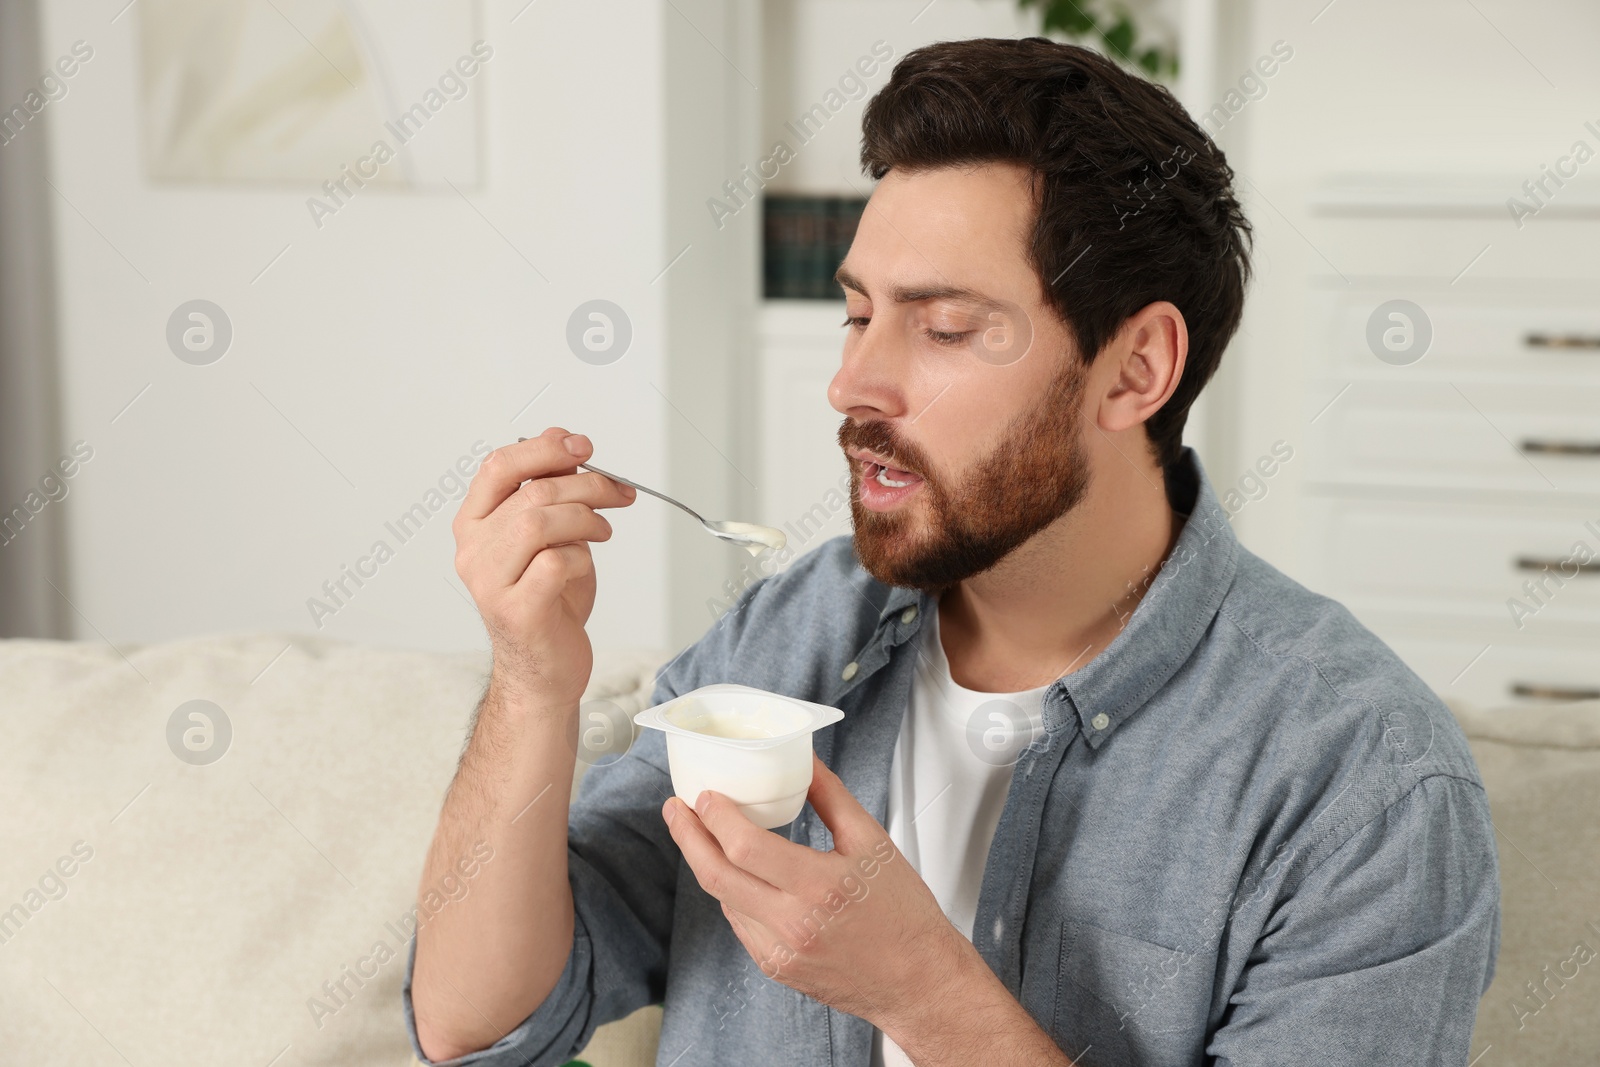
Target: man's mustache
[878,437]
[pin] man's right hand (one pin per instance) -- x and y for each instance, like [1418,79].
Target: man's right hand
[522,548]
[485,962]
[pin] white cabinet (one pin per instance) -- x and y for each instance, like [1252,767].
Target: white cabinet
[1453,502]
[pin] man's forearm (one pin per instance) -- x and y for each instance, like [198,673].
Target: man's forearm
[972,1018]
[485,962]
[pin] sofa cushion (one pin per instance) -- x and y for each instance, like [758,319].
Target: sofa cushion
[183,912]
[1541,770]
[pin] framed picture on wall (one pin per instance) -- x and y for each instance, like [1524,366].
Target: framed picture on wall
[291,91]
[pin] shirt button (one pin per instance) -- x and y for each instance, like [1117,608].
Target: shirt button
[1100,721]
[908,614]
[849,671]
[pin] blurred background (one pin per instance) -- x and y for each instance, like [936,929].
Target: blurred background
[403,262]
[275,274]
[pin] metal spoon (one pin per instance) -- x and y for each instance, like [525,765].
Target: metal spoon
[747,535]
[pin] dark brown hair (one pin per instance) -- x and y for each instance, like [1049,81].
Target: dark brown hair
[1134,203]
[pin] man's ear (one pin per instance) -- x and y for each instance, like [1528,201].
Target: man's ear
[1142,366]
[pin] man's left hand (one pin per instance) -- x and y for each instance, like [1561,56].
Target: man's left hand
[855,928]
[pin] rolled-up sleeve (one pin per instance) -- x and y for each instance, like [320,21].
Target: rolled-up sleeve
[1382,952]
[623,868]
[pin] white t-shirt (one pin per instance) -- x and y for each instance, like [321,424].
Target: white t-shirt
[948,783]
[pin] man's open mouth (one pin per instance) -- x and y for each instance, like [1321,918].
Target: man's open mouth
[890,477]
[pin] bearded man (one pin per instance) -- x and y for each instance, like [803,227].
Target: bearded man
[1109,789]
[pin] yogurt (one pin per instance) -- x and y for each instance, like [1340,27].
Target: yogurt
[751,745]
[752,537]
[743,720]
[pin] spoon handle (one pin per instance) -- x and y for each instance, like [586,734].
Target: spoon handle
[642,489]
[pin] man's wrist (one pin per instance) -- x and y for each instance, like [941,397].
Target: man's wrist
[512,702]
[518,687]
[958,995]
[969,1016]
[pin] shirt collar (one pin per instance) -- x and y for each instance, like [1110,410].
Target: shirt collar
[1175,612]
[1164,628]
[901,598]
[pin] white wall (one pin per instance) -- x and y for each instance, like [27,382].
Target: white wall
[811,44]
[711,110]
[389,341]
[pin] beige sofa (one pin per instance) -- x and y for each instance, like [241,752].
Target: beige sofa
[169,910]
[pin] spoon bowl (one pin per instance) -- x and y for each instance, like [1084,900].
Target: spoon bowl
[747,535]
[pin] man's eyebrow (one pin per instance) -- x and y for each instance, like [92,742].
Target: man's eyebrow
[901,294]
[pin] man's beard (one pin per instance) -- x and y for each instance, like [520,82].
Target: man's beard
[1038,472]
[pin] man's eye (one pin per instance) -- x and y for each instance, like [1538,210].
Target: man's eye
[858,321]
[944,338]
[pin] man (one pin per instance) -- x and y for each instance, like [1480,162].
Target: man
[1109,789]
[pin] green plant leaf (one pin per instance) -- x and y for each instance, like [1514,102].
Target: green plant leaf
[1119,38]
[1079,20]
[1068,17]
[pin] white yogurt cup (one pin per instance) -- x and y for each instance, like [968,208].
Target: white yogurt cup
[752,746]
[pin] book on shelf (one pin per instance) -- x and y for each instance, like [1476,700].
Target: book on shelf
[804,239]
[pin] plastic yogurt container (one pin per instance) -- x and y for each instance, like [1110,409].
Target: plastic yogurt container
[748,744]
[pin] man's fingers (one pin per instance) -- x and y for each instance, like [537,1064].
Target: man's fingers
[508,466]
[554,567]
[737,888]
[853,827]
[511,543]
[584,487]
[774,860]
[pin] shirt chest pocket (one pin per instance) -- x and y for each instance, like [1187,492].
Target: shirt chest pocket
[1121,1001]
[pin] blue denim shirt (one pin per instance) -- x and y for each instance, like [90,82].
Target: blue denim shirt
[1249,836]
